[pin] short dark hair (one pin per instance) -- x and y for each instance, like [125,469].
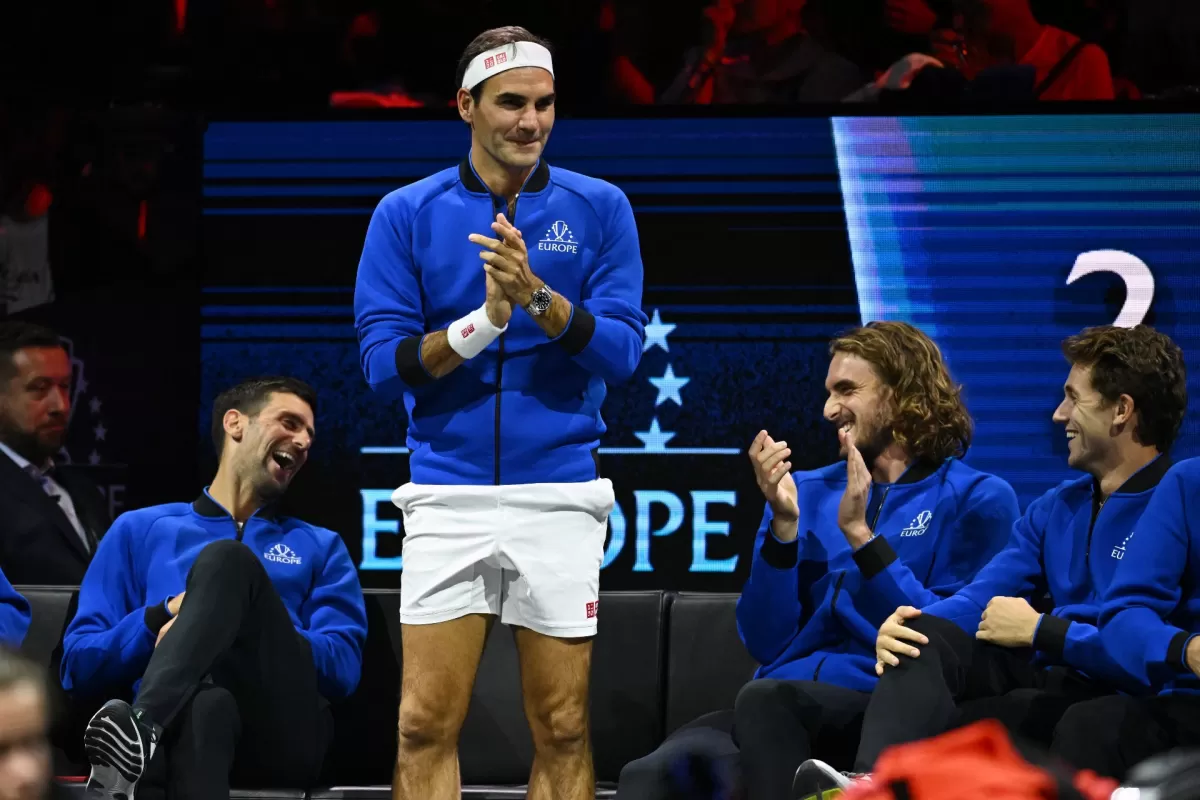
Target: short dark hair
[16,335]
[1142,363]
[250,396]
[487,40]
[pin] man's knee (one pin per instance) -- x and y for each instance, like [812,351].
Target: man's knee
[644,778]
[1094,722]
[227,556]
[755,701]
[560,726]
[432,711]
[950,643]
[936,628]
[423,726]
[213,709]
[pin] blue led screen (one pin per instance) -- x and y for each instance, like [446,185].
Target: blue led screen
[761,239]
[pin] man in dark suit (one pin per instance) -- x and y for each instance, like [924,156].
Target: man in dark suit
[50,516]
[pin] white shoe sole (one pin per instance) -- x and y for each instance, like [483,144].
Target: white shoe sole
[116,751]
[817,780]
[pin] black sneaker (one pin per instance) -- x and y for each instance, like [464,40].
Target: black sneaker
[119,745]
[816,780]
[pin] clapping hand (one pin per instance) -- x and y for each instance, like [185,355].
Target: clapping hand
[772,472]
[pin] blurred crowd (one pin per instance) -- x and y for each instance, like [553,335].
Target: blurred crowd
[119,189]
[112,173]
[262,54]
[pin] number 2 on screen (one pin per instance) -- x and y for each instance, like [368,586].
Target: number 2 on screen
[1139,281]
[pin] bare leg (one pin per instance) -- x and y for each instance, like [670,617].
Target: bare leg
[554,684]
[440,661]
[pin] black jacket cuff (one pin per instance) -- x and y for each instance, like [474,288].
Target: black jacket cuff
[874,556]
[408,362]
[579,331]
[157,616]
[780,555]
[1051,636]
[1177,651]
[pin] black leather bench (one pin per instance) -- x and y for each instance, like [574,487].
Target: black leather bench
[706,661]
[659,661]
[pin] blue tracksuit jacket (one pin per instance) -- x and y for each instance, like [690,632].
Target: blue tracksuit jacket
[527,409]
[144,559]
[1067,545]
[811,608]
[1152,606]
[15,615]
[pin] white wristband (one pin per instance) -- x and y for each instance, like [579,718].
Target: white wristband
[471,335]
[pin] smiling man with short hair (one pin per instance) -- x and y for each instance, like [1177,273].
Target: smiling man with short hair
[235,625]
[986,651]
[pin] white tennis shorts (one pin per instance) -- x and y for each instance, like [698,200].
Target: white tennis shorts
[528,553]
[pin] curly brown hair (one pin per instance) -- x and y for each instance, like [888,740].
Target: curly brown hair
[929,417]
[1142,363]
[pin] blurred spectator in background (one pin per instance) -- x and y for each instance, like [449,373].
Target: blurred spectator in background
[758,51]
[25,760]
[25,279]
[367,67]
[1000,33]
[997,50]
[307,54]
[646,44]
[52,514]
[28,142]
[910,17]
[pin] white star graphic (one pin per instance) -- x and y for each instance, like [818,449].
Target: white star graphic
[656,333]
[95,405]
[81,384]
[94,458]
[654,439]
[668,387]
[100,432]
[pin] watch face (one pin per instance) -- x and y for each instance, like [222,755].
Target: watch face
[540,301]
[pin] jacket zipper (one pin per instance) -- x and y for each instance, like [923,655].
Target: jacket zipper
[837,588]
[1087,555]
[241,529]
[512,218]
[879,508]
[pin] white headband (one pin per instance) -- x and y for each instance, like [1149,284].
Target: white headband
[506,57]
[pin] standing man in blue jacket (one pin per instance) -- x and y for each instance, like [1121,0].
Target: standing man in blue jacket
[901,520]
[987,647]
[234,625]
[1149,623]
[501,340]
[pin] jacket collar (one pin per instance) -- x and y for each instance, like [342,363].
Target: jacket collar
[205,506]
[25,464]
[1143,480]
[918,471]
[536,181]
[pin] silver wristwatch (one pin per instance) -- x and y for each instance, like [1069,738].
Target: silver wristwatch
[539,302]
